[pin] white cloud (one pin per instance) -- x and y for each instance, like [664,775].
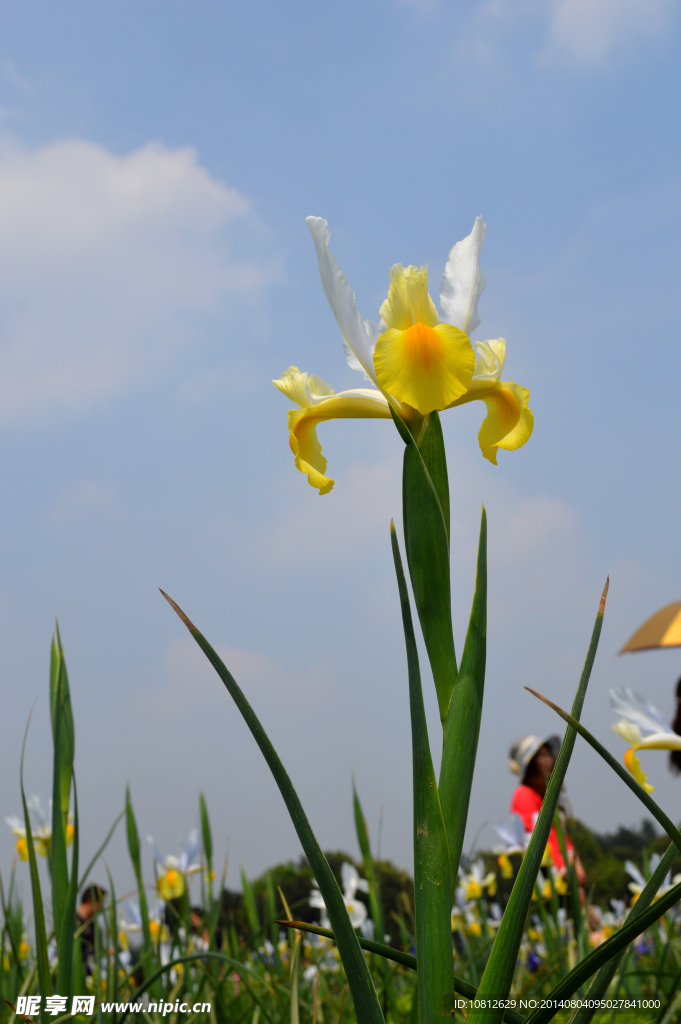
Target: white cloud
[591,31]
[573,34]
[105,260]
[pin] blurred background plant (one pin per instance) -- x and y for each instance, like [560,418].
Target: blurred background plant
[205,943]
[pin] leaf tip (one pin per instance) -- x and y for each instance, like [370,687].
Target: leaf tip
[601,607]
[176,608]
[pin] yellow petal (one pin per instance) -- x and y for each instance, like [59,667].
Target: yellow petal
[628,731]
[303,430]
[170,885]
[505,865]
[508,423]
[473,890]
[302,388]
[633,766]
[22,848]
[426,367]
[408,300]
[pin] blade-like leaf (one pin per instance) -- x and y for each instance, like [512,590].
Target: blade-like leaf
[498,975]
[206,833]
[367,1008]
[463,718]
[100,851]
[44,976]
[243,970]
[62,773]
[114,950]
[425,507]
[68,923]
[249,903]
[634,925]
[61,713]
[461,987]
[369,867]
[645,798]
[600,984]
[135,857]
[432,892]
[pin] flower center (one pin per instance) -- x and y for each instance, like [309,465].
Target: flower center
[423,345]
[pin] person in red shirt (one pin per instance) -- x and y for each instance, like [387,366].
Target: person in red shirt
[533,759]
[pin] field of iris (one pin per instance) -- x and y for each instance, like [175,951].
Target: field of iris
[182,938]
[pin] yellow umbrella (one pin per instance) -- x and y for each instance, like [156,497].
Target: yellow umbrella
[663,629]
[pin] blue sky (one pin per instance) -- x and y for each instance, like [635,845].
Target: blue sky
[156,165]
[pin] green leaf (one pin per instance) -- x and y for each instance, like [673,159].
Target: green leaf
[425,507]
[134,850]
[43,964]
[463,718]
[249,903]
[68,923]
[369,868]
[432,892]
[271,902]
[634,925]
[498,975]
[600,984]
[367,1008]
[61,714]
[645,798]
[461,987]
[113,961]
[295,972]
[62,774]
[100,851]
[243,970]
[206,832]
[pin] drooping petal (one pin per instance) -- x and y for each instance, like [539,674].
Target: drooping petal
[408,301]
[319,402]
[508,423]
[633,766]
[357,334]
[463,281]
[426,367]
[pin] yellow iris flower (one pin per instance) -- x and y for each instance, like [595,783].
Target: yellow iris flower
[643,727]
[418,361]
[42,836]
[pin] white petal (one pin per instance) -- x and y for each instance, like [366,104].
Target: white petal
[632,870]
[155,850]
[357,912]
[636,709]
[349,879]
[463,281]
[358,335]
[189,850]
